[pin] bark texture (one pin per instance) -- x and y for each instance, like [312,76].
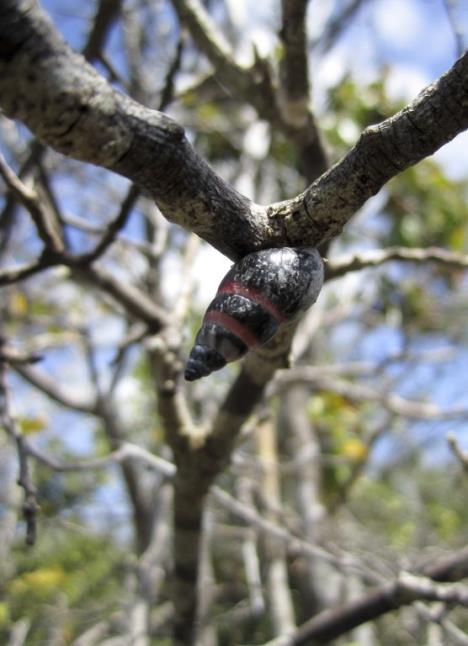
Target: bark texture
[67,104]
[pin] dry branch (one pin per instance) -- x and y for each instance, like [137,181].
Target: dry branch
[336,267]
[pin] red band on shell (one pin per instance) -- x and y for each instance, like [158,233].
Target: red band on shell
[232,325]
[254,295]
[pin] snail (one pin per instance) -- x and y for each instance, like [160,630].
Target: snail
[262,291]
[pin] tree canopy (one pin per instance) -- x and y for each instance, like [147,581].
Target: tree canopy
[307,494]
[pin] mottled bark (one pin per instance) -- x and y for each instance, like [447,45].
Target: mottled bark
[72,108]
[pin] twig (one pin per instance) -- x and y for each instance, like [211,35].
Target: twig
[294,544]
[14,356]
[354,262]
[459,453]
[30,504]
[106,13]
[30,200]
[457,31]
[126,451]
[47,385]
[294,92]
[361,393]
[405,590]
[112,228]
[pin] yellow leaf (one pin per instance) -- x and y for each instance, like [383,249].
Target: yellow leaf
[33,424]
[4,614]
[45,578]
[355,449]
[41,582]
[19,304]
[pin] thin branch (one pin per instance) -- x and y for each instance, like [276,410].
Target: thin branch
[30,200]
[49,386]
[12,275]
[15,356]
[405,590]
[365,394]
[438,616]
[134,301]
[294,92]
[112,228]
[459,453]
[126,451]
[294,544]
[337,25]
[450,8]
[336,267]
[106,14]
[8,213]
[7,421]
[167,93]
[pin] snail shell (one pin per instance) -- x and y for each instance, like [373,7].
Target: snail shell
[261,292]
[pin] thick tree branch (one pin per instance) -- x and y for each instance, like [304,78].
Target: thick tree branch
[72,108]
[436,116]
[66,103]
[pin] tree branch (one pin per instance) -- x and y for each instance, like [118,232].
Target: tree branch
[69,105]
[7,421]
[336,267]
[106,14]
[30,200]
[407,588]
[362,393]
[294,91]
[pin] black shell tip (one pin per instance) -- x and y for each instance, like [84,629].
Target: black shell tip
[202,362]
[192,371]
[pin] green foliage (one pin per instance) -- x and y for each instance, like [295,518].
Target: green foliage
[339,426]
[426,208]
[79,568]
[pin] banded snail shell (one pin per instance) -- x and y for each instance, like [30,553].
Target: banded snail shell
[260,292]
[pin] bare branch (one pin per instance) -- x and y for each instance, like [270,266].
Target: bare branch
[87,119]
[294,92]
[15,356]
[57,393]
[294,544]
[381,152]
[336,267]
[459,453]
[337,25]
[30,200]
[132,299]
[106,14]
[406,589]
[126,451]
[450,7]
[112,228]
[361,393]
[30,505]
